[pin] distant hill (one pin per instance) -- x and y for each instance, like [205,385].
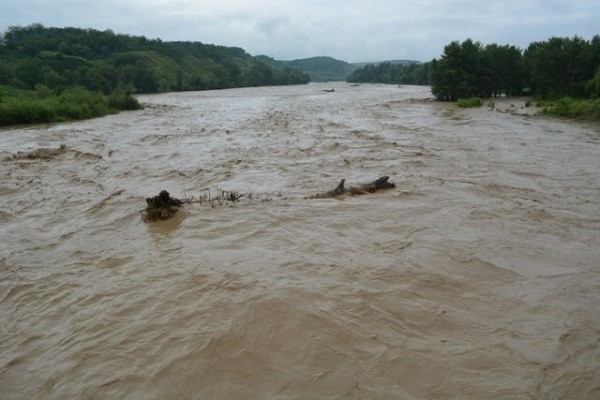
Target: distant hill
[393,62]
[402,72]
[324,69]
[103,61]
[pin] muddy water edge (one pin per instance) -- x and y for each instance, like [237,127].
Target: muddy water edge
[478,276]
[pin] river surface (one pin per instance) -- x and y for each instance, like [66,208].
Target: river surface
[477,277]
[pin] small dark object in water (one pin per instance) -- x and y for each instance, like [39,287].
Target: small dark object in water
[162,206]
[340,188]
[379,184]
[329,90]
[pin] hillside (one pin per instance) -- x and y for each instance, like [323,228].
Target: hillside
[323,69]
[103,61]
[400,72]
[392,62]
[64,74]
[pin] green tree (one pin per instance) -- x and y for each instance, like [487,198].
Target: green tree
[145,77]
[560,66]
[592,87]
[505,67]
[53,79]
[468,70]
[449,78]
[29,72]
[6,72]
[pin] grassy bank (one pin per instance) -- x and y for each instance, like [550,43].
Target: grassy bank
[44,105]
[568,107]
[565,107]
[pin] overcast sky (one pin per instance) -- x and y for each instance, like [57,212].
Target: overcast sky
[350,30]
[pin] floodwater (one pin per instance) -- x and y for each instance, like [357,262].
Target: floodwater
[477,277]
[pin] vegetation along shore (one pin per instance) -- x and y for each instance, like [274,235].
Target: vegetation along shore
[563,74]
[61,74]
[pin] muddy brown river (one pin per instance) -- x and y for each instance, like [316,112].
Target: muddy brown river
[477,277]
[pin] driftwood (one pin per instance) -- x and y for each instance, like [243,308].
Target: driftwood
[162,206]
[340,189]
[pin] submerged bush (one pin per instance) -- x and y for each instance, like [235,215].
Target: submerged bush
[470,102]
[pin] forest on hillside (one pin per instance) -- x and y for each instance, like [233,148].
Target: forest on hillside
[58,74]
[322,69]
[410,73]
[103,61]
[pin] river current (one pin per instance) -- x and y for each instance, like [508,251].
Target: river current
[478,276]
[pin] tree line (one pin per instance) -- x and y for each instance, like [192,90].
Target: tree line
[413,73]
[550,69]
[46,73]
[103,61]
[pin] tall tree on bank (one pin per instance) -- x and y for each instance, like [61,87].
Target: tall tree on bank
[551,69]
[468,69]
[504,65]
[562,66]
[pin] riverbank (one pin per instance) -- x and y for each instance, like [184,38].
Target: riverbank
[564,108]
[20,107]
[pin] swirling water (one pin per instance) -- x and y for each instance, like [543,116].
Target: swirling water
[478,276]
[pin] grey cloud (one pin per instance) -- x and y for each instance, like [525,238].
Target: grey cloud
[350,30]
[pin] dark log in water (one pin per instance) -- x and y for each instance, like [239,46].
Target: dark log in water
[370,187]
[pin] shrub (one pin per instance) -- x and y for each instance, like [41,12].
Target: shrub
[573,108]
[470,102]
[121,99]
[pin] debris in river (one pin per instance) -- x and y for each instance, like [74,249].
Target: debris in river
[378,184]
[47,154]
[102,202]
[39,154]
[162,206]
[224,196]
[340,189]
